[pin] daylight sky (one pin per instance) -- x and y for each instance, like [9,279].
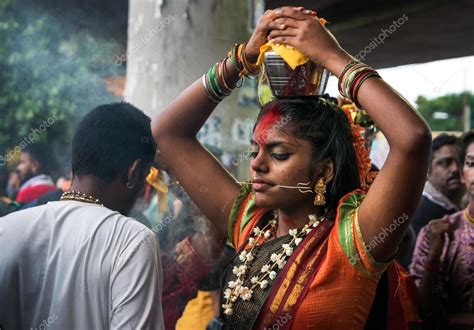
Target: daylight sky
[431,79]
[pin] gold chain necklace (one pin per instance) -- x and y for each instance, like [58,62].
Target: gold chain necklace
[73,195]
[468,217]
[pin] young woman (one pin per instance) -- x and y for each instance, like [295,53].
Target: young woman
[303,259]
[443,262]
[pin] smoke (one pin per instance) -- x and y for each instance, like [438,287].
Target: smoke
[52,64]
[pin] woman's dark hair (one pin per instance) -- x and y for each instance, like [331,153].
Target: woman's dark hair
[464,142]
[321,122]
[109,139]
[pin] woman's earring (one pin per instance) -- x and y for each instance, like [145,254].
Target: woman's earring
[320,190]
[129,185]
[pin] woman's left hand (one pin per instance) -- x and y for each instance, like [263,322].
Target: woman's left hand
[303,31]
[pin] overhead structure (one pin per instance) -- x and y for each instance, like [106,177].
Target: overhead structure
[430,30]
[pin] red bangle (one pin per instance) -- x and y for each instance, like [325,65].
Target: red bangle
[358,79]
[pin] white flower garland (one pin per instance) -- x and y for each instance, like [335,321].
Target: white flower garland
[267,274]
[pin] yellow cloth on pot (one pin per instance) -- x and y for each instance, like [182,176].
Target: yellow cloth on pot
[292,56]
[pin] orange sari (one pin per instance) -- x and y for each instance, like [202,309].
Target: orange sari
[330,281]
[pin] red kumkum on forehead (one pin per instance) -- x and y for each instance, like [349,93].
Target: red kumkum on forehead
[266,123]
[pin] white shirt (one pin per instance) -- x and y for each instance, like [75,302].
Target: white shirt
[75,265]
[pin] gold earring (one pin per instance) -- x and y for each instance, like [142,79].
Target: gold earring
[320,190]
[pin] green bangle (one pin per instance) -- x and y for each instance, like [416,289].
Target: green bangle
[209,94]
[211,84]
[233,58]
[215,85]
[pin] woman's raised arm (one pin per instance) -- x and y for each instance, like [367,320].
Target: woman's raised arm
[209,185]
[396,191]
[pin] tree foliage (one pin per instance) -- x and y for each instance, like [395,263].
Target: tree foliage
[450,106]
[48,72]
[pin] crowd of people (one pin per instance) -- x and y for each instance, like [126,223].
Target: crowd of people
[148,230]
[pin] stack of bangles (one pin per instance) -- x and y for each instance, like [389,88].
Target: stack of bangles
[214,80]
[352,77]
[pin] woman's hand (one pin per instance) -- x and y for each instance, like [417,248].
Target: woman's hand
[301,29]
[437,230]
[260,34]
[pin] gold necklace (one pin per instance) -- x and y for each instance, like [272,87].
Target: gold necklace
[73,195]
[468,217]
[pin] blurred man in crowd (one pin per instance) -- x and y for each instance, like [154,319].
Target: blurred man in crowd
[36,162]
[443,189]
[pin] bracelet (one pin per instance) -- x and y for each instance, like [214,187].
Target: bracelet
[367,76]
[234,59]
[214,86]
[222,74]
[250,69]
[214,81]
[344,79]
[209,95]
[352,78]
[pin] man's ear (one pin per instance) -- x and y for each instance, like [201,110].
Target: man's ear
[134,175]
[35,166]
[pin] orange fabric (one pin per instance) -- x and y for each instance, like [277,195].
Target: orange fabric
[289,289]
[240,235]
[340,296]
[403,298]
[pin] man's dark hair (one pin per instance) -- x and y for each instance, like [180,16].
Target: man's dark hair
[441,141]
[42,153]
[109,139]
[464,142]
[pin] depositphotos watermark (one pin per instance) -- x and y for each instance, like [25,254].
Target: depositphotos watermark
[380,238]
[380,39]
[276,127]
[156,229]
[282,320]
[29,139]
[46,323]
[144,40]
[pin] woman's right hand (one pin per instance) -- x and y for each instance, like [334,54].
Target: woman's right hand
[437,230]
[302,30]
[265,25]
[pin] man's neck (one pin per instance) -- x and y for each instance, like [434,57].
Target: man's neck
[455,196]
[97,189]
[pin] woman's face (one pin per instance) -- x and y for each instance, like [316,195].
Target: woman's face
[468,170]
[279,158]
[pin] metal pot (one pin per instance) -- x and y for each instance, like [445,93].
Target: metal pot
[306,79]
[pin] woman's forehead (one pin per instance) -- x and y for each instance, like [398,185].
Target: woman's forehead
[470,149]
